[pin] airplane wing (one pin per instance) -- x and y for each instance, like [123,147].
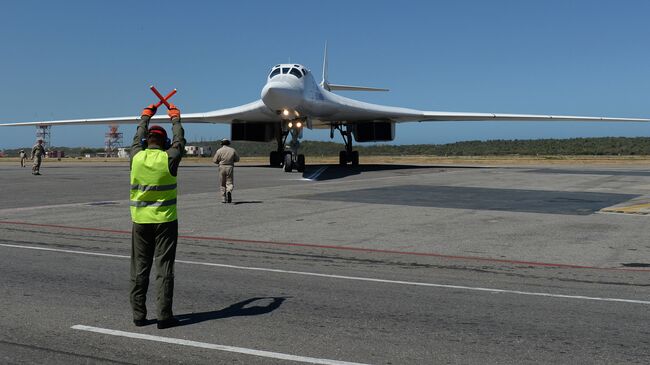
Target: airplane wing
[356,111]
[255,111]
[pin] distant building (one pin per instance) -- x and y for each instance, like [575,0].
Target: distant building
[55,154]
[123,152]
[206,151]
[198,151]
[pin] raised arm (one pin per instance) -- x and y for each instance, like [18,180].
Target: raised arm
[141,131]
[175,152]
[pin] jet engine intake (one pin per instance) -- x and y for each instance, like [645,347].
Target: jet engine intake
[375,130]
[253,131]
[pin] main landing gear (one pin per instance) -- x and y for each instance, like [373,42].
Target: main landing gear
[288,160]
[348,155]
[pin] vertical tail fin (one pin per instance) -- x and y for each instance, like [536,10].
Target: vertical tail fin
[325,82]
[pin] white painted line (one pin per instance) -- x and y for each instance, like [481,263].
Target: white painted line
[316,174]
[59,206]
[239,350]
[356,278]
[67,251]
[415,283]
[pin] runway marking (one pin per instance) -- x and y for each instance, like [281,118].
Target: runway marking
[316,174]
[354,278]
[641,209]
[69,205]
[343,248]
[205,345]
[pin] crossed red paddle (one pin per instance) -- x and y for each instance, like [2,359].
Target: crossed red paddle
[163,100]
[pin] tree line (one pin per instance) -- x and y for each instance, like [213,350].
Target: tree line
[603,146]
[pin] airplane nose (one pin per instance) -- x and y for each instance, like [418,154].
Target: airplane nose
[280,95]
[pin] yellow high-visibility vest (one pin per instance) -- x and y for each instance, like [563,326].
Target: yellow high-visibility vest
[153,188]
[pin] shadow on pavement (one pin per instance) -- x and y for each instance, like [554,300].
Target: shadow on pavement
[478,198]
[248,202]
[235,310]
[332,172]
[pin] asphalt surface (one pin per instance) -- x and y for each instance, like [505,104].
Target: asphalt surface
[374,265]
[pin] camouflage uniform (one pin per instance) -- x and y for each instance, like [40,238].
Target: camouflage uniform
[38,151]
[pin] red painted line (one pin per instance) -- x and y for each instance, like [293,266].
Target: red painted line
[344,248]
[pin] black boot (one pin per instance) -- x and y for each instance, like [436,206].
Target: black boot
[229,196]
[167,323]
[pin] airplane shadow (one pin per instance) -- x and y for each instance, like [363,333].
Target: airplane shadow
[259,165]
[235,310]
[248,202]
[333,172]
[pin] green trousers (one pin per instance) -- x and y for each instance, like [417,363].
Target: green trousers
[149,243]
[36,166]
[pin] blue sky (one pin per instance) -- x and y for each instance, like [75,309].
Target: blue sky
[80,59]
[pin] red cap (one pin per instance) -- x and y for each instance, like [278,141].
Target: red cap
[156,129]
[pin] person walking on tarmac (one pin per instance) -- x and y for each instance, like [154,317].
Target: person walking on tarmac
[23,157]
[226,157]
[38,151]
[154,166]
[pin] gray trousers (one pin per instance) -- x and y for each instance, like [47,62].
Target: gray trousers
[149,242]
[226,178]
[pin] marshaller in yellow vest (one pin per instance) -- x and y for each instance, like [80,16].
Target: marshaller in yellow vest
[154,167]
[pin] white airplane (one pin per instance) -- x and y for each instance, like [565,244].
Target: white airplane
[292,100]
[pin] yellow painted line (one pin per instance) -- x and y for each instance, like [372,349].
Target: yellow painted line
[629,209]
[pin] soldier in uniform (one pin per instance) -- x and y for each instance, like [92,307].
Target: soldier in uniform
[23,157]
[226,157]
[38,151]
[154,166]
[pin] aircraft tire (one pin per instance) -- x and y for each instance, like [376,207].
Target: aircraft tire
[355,158]
[288,163]
[275,159]
[343,158]
[301,163]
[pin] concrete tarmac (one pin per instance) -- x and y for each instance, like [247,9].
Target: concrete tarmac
[377,264]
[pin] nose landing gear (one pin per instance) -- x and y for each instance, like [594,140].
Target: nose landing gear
[289,160]
[293,160]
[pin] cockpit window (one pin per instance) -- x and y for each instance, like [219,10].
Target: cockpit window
[304,71]
[285,70]
[274,73]
[295,72]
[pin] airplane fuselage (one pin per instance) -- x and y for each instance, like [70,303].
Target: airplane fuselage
[293,96]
